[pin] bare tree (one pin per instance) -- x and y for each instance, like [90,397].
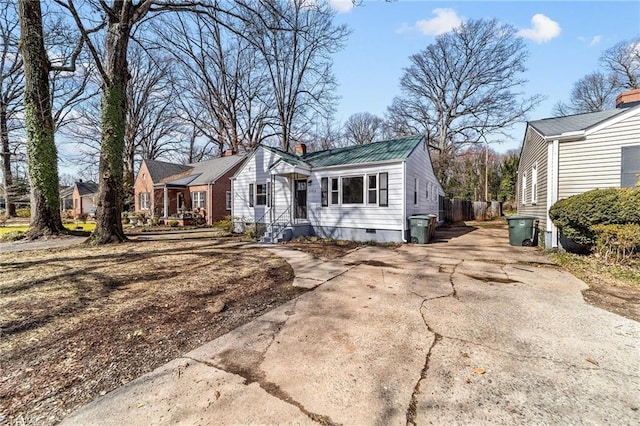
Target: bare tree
[11,89]
[362,128]
[41,147]
[593,92]
[298,61]
[224,88]
[623,60]
[466,87]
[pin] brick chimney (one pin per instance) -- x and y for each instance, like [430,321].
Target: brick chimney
[628,98]
[301,149]
[228,153]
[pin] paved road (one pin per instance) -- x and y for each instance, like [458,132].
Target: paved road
[464,331]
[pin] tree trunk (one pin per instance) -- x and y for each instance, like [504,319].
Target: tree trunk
[6,164]
[114,113]
[42,155]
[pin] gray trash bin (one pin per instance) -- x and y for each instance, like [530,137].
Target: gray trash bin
[420,226]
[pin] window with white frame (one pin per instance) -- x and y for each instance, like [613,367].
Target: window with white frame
[251,195]
[534,184]
[335,191]
[372,189]
[383,199]
[415,190]
[523,190]
[198,200]
[228,200]
[261,194]
[324,191]
[144,199]
[630,167]
[352,190]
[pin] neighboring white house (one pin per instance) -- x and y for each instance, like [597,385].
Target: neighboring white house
[363,193]
[565,156]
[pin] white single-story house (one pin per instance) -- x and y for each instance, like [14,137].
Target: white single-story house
[362,193]
[565,156]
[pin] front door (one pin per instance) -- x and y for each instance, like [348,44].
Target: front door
[300,198]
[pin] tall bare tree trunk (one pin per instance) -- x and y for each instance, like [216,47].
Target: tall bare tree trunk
[6,164]
[114,113]
[42,155]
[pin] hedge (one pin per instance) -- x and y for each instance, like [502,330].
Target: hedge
[576,216]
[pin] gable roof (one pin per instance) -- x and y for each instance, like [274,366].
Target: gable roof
[87,188]
[211,170]
[204,172]
[557,126]
[389,150]
[159,170]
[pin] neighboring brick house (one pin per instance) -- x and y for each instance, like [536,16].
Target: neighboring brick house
[83,198]
[169,189]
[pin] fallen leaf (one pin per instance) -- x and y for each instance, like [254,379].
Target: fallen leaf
[217,395]
[479,370]
[465,355]
[468,380]
[591,360]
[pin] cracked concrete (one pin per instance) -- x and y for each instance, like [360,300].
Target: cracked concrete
[464,331]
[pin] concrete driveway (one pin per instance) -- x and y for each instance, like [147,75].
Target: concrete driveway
[467,330]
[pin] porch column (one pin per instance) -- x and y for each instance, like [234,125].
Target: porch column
[165,206]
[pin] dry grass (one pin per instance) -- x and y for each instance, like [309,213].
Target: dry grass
[79,322]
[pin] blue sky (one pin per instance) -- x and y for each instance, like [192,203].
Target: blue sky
[564,39]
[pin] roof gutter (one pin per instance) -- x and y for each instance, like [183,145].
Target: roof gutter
[568,136]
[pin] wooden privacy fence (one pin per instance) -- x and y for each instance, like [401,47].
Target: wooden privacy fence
[453,211]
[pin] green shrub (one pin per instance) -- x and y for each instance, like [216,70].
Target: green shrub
[575,216]
[617,243]
[23,212]
[173,223]
[226,224]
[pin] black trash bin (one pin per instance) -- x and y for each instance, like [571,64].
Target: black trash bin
[522,230]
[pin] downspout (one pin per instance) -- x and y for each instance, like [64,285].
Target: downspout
[404,200]
[210,200]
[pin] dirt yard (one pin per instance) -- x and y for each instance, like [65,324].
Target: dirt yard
[79,322]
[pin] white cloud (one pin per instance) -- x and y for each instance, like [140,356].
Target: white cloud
[445,20]
[595,40]
[542,30]
[341,6]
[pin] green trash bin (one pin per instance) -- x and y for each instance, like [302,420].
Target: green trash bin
[522,230]
[420,226]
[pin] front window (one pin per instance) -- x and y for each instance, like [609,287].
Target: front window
[228,200]
[324,184]
[144,200]
[261,194]
[198,200]
[250,195]
[352,190]
[334,191]
[524,188]
[372,189]
[384,189]
[415,191]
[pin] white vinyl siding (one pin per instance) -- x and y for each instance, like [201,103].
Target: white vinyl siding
[419,165]
[360,215]
[534,184]
[534,155]
[596,162]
